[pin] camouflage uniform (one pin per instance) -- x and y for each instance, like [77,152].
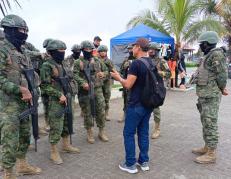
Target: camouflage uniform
[165,73]
[95,66]
[107,80]
[15,133]
[124,73]
[210,81]
[50,73]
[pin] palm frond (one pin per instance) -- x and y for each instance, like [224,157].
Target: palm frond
[5,5]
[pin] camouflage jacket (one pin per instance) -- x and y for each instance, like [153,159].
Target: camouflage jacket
[12,62]
[49,73]
[162,67]
[109,65]
[79,74]
[213,69]
[68,65]
[125,66]
[34,54]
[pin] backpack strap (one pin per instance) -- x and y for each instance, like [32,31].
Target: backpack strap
[150,69]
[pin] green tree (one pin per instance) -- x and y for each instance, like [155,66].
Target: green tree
[179,18]
[5,5]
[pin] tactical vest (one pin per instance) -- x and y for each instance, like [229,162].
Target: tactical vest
[95,67]
[204,74]
[16,62]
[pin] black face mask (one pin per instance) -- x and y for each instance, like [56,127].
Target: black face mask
[131,53]
[206,47]
[87,55]
[57,56]
[76,55]
[15,37]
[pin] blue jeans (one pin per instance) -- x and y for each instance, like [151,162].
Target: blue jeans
[137,120]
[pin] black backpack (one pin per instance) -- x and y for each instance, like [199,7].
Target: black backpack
[154,91]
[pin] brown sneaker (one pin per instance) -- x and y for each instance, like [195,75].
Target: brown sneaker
[23,168]
[209,157]
[67,147]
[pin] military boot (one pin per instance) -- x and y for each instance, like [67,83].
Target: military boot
[121,119]
[55,157]
[209,157]
[107,116]
[9,174]
[102,136]
[200,151]
[67,147]
[23,168]
[90,136]
[156,132]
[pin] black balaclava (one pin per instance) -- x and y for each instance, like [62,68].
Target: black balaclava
[206,47]
[15,37]
[57,56]
[76,54]
[87,55]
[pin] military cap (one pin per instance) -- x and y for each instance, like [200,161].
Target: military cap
[154,45]
[13,21]
[56,45]
[46,41]
[209,36]
[143,43]
[87,44]
[102,48]
[76,47]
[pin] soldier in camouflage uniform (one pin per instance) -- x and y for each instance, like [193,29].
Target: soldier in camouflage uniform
[165,73]
[14,98]
[210,79]
[102,50]
[124,72]
[50,71]
[98,72]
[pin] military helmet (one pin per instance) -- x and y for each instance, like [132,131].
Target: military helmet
[56,45]
[209,36]
[154,45]
[102,48]
[87,44]
[129,46]
[46,41]
[76,47]
[13,21]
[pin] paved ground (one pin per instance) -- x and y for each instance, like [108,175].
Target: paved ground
[170,155]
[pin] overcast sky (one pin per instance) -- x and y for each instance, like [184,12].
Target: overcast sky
[73,20]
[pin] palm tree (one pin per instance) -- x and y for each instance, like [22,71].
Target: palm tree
[6,4]
[179,18]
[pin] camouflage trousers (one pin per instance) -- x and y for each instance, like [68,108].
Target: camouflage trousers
[157,115]
[58,125]
[84,102]
[107,93]
[45,101]
[208,108]
[15,135]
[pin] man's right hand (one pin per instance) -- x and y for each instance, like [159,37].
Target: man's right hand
[86,86]
[26,95]
[63,100]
